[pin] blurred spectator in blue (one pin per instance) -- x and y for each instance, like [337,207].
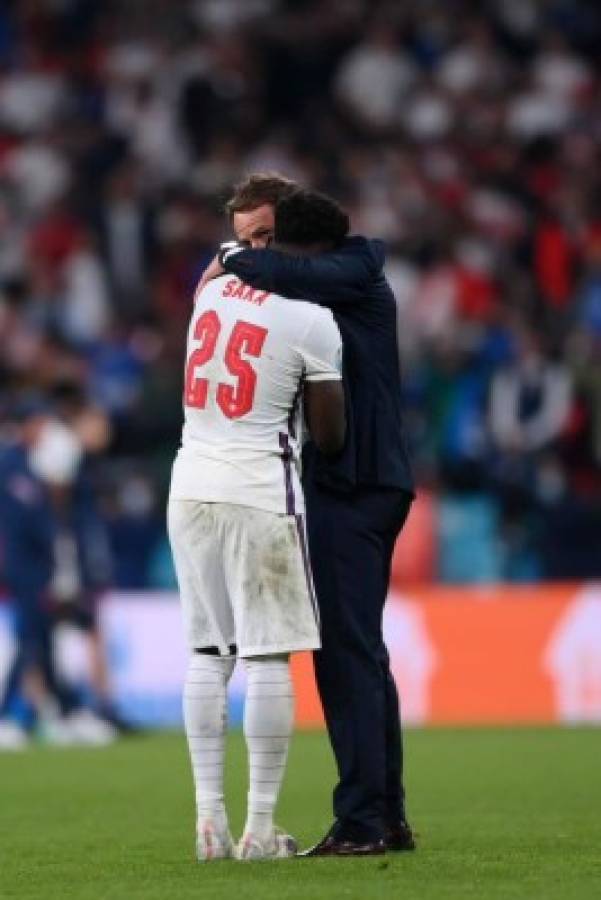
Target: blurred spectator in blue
[50,541]
[530,404]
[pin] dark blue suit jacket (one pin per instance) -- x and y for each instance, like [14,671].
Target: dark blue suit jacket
[350,282]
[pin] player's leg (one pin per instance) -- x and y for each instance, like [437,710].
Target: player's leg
[268,723]
[197,545]
[205,721]
[274,614]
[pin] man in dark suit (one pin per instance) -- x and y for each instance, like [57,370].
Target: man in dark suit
[356,504]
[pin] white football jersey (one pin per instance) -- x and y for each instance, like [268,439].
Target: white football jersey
[249,353]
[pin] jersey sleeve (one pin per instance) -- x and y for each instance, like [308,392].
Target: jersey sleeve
[333,279]
[321,349]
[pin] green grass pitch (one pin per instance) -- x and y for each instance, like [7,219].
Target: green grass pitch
[499,814]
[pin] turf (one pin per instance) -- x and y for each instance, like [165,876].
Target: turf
[499,814]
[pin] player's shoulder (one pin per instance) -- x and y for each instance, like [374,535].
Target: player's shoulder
[212,288]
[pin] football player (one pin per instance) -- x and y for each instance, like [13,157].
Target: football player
[236,526]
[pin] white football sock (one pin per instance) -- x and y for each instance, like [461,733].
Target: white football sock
[205,719]
[268,721]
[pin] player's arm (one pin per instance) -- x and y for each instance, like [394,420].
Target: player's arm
[325,415]
[321,351]
[335,278]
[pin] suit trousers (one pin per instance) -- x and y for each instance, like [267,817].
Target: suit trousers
[351,540]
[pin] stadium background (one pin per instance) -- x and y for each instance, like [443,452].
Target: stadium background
[465,134]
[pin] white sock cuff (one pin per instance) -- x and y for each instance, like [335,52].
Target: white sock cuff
[273,664]
[215,667]
[272,672]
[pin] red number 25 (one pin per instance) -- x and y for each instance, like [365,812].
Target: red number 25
[233,400]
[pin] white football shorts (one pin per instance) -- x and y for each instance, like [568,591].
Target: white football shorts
[244,578]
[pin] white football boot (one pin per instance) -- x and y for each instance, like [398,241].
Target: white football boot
[89,729]
[54,730]
[212,843]
[12,736]
[80,728]
[277,846]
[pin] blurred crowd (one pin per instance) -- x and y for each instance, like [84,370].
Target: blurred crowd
[466,134]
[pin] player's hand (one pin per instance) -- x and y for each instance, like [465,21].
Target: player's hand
[213,270]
